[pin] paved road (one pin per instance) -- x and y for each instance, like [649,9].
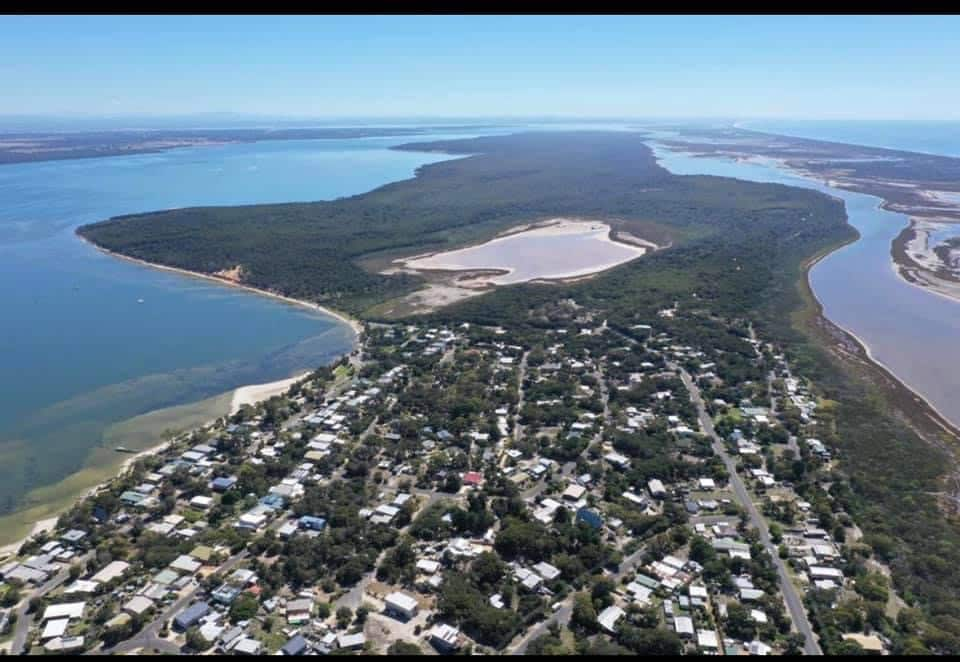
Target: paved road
[561,616]
[149,636]
[521,375]
[629,563]
[794,604]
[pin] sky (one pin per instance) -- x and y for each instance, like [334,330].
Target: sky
[792,67]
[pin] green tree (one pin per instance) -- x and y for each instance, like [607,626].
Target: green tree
[196,641]
[344,616]
[404,648]
[584,616]
[243,608]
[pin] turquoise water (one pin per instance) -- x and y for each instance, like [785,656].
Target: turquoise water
[911,331]
[80,352]
[931,137]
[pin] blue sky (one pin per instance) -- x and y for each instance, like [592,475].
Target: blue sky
[827,67]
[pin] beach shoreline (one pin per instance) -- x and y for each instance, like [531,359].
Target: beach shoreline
[355,325]
[255,393]
[246,394]
[250,394]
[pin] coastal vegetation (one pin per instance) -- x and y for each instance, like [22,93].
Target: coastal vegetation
[740,251]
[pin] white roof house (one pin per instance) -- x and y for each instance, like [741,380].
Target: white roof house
[445,636]
[608,617]
[428,566]
[65,610]
[247,646]
[81,586]
[111,571]
[55,628]
[186,563]
[707,639]
[351,640]
[747,594]
[673,562]
[683,626]
[641,594]
[823,572]
[547,571]
[63,644]
[138,604]
[758,648]
[401,603]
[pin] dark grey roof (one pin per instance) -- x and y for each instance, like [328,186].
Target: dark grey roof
[296,646]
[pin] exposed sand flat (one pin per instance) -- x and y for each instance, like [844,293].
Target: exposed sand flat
[243,395]
[41,526]
[250,395]
[556,249]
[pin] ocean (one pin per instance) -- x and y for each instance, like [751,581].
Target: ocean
[930,137]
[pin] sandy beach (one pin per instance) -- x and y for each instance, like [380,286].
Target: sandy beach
[250,395]
[41,526]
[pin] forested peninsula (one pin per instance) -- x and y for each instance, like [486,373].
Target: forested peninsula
[738,250]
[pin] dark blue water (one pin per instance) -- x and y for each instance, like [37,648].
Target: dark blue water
[80,353]
[931,137]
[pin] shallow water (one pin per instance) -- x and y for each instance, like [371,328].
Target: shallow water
[911,331]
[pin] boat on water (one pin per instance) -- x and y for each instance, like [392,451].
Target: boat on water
[124,449]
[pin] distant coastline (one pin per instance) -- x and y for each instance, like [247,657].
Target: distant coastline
[34,147]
